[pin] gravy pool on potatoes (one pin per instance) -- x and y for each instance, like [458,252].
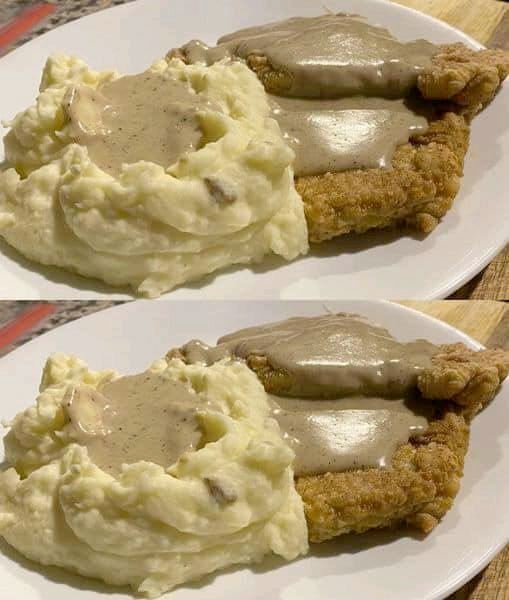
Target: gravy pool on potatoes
[139,417]
[148,116]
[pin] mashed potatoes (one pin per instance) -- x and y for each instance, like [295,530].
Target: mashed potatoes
[231,200]
[148,526]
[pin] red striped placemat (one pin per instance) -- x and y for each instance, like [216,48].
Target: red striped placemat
[26,20]
[24,321]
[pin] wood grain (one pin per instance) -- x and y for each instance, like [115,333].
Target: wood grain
[487,21]
[479,319]
[487,322]
[500,36]
[477,18]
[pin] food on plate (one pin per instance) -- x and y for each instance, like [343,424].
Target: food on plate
[149,480]
[282,433]
[149,180]
[380,428]
[380,127]
[295,131]
[416,192]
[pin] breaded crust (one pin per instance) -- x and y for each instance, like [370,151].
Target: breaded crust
[465,377]
[417,490]
[425,176]
[467,78]
[424,479]
[418,190]
[425,474]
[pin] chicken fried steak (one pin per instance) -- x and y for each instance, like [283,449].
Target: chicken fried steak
[380,127]
[380,428]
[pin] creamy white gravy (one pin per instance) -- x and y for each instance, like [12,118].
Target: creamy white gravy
[148,116]
[330,355]
[140,417]
[329,56]
[342,104]
[348,433]
[351,404]
[351,401]
[348,133]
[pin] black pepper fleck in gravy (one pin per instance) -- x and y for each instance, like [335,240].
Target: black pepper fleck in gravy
[140,417]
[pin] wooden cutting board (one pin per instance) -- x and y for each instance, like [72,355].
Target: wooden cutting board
[477,18]
[488,322]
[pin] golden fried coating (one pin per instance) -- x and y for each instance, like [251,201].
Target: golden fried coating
[425,178]
[418,190]
[425,474]
[467,78]
[424,478]
[417,490]
[465,377]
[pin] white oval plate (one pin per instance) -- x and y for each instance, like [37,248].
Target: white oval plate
[375,265]
[383,565]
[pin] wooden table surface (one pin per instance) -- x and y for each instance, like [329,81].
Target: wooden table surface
[488,322]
